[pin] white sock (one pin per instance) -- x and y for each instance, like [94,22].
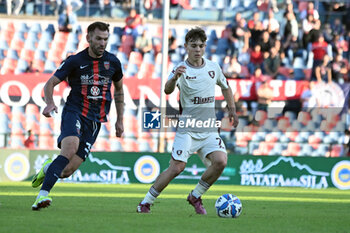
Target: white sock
[46,167]
[151,196]
[42,193]
[200,189]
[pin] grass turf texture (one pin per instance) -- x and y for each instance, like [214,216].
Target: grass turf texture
[112,208]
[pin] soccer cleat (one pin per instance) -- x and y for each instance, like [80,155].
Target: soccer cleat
[42,202]
[196,203]
[39,177]
[143,208]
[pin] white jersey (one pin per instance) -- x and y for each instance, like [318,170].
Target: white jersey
[197,94]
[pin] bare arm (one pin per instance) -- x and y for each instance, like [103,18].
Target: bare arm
[170,84]
[119,105]
[228,95]
[48,92]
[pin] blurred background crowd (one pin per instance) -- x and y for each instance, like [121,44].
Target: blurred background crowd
[260,42]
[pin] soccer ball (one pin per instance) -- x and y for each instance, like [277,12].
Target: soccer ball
[228,206]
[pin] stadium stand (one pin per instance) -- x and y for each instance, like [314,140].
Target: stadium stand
[37,47]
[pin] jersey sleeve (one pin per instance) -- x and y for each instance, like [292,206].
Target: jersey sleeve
[172,73]
[65,68]
[118,75]
[221,80]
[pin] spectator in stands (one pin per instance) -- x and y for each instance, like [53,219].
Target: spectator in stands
[291,48]
[323,71]
[258,76]
[339,69]
[256,33]
[272,63]
[236,20]
[339,44]
[253,22]
[132,21]
[265,95]
[172,43]
[244,56]
[346,143]
[68,20]
[307,25]
[29,142]
[143,43]
[308,102]
[105,7]
[239,34]
[256,58]
[319,50]
[14,7]
[290,28]
[179,5]
[316,31]
[310,10]
[337,27]
[266,42]
[271,24]
[231,67]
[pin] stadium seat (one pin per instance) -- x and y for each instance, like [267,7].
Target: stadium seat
[4,45]
[35,27]
[116,144]
[22,66]
[46,142]
[27,55]
[50,28]
[12,54]
[43,46]
[148,58]
[293,149]
[336,151]
[131,70]
[9,66]
[50,66]
[38,65]
[17,45]
[146,71]
[130,145]
[30,44]
[102,144]
[17,141]
[127,44]
[135,58]
[195,4]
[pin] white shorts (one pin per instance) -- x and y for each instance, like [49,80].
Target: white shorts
[185,145]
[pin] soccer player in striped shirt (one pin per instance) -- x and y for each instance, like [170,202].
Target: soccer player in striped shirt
[90,74]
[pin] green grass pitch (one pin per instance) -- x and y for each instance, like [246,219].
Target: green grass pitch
[112,208]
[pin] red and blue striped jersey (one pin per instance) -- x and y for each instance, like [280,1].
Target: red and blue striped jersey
[90,80]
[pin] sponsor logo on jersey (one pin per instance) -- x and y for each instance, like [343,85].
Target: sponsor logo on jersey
[203,100]
[190,78]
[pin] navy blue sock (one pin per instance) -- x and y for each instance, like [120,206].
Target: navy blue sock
[54,172]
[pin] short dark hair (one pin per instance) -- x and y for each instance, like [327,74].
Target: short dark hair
[195,34]
[100,25]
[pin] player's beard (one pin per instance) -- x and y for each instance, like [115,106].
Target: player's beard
[98,51]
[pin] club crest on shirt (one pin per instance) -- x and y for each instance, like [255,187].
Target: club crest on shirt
[106,64]
[211,74]
[179,152]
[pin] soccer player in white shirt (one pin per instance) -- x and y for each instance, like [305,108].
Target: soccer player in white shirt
[196,78]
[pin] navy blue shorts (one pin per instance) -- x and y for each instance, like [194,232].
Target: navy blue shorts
[74,124]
